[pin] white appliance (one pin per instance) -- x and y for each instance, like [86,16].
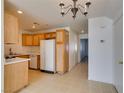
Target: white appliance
[33,61]
[47,55]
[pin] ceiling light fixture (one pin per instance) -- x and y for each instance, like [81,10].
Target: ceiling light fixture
[82,31]
[20,12]
[74,8]
[34,25]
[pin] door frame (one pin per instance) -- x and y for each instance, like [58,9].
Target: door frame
[81,36]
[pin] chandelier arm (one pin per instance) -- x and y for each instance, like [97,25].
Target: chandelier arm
[79,5]
[67,11]
[81,11]
[67,7]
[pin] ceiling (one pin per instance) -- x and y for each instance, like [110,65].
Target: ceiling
[47,13]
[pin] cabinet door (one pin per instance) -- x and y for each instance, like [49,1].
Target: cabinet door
[47,36]
[62,51]
[53,35]
[35,40]
[21,79]
[11,28]
[41,37]
[60,36]
[15,77]
[50,35]
[27,40]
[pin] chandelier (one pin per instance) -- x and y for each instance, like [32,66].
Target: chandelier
[75,8]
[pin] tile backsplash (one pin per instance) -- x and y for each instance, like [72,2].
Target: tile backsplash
[18,49]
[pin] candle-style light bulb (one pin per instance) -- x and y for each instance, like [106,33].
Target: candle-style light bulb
[85,8]
[61,2]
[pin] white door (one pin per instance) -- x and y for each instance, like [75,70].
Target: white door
[48,55]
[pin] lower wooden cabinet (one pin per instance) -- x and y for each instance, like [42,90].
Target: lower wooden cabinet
[25,56]
[15,77]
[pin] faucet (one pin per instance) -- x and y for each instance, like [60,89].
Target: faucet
[10,51]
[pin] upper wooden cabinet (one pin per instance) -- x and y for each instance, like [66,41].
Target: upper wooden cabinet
[27,39]
[32,40]
[50,35]
[60,36]
[36,40]
[10,28]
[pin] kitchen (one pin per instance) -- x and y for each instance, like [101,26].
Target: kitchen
[41,46]
[24,51]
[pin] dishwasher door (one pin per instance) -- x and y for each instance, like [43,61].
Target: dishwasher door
[33,61]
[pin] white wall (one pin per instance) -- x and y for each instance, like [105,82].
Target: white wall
[100,53]
[118,53]
[2,47]
[83,36]
[73,53]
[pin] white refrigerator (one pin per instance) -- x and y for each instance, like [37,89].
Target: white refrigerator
[47,55]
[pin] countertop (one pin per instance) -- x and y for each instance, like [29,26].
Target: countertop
[15,60]
[27,54]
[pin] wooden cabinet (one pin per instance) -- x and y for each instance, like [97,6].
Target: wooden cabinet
[60,36]
[51,35]
[27,39]
[41,36]
[15,76]
[25,56]
[10,28]
[34,39]
[62,51]
[37,38]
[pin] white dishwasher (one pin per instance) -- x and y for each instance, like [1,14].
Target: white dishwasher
[33,61]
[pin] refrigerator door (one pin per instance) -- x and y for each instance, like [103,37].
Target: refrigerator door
[48,55]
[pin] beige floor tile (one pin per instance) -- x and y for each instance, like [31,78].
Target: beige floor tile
[74,81]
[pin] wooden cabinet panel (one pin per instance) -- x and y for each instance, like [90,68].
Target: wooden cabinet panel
[47,36]
[27,39]
[62,51]
[60,36]
[50,35]
[25,56]
[10,29]
[41,37]
[36,40]
[15,76]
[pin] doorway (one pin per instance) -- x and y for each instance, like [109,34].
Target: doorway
[84,50]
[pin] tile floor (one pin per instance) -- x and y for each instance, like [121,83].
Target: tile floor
[74,81]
